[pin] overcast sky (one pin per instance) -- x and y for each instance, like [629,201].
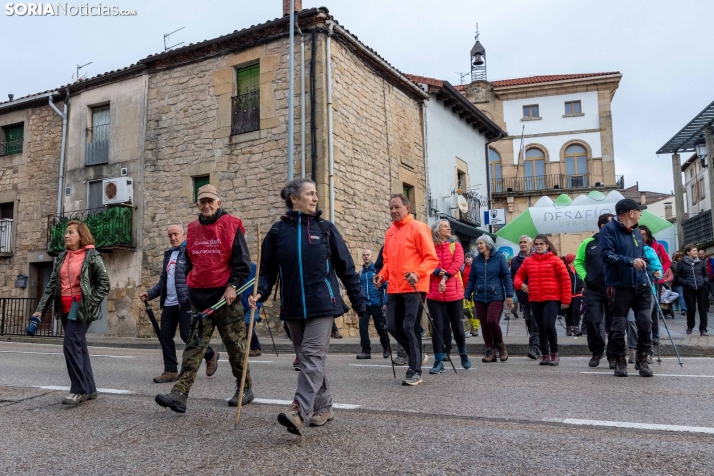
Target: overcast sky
[657,45]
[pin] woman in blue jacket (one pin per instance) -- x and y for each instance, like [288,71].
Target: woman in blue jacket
[489,285]
[309,255]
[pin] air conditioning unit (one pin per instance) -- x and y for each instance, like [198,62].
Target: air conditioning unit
[117,190]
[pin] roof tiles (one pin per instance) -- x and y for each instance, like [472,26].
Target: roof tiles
[547,79]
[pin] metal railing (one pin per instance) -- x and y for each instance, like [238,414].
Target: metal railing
[245,113]
[6,235]
[97,146]
[111,227]
[546,182]
[15,317]
[11,147]
[698,229]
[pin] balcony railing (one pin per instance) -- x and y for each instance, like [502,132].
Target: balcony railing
[6,236]
[110,228]
[546,183]
[97,147]
[11,147]
[246,113]
[698,229]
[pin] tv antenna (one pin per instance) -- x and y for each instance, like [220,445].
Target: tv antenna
[166,35]
[80,67]
[462,76]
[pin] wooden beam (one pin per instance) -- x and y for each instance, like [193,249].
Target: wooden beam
[458,108]
[448,102]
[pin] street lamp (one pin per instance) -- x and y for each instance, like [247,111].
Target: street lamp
[700,146]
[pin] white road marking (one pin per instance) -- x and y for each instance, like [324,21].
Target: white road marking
[656,375]
[60,353]
[251,361]
[269,401]
[400,366]
[641,426]
[100,390]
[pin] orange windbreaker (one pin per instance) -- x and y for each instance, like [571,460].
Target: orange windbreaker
[408,247]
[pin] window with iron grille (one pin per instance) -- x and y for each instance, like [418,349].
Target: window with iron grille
[97,145]
[14,136]
[246,102]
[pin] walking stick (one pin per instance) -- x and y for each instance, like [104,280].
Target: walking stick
[265,316]
[152,318]
[656,298]
[433,326]
[250,334]
[508,323]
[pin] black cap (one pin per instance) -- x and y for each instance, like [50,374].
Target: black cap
[627,204]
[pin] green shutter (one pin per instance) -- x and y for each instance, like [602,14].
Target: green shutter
[13,140]
[248,79]
[199,182]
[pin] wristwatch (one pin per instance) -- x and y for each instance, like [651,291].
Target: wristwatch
[233,286]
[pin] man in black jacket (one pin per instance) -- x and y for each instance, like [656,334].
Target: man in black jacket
[217,265]
[176,309]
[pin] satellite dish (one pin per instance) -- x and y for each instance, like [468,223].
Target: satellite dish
[462,203]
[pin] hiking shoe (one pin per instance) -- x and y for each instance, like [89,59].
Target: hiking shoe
[336,334]
[386,353]
[684,313]
[502,352]
[74,399]
[649,358]
[533,353]
[322,417]
[247,397]
[447,357]
[413,378]
[467,334]
[554,359]
[465,361]
[621,367]
[611,363]
[92,396]
[577,331]
[642,365]
[292,420]
[438,367]
[568,331]
[507,318]
[212,365]
[631,359]
[703,333]
[363,356]
[401,360]
[689,330]
[595,359]
[296,364]
[166,377]
[175,400]
[490,356]
[425,358]
[655,341]
[545,359]
[255,353]
[474,333]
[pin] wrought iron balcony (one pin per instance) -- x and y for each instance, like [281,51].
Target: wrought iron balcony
[245,113]
[698,229]
[111,228]
[97,146]
[548,183]
[11,147]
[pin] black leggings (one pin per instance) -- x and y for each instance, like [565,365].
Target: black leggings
[545,314]
[443,313]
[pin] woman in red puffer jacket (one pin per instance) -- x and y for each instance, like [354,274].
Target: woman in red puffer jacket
[446,295]
[548,290]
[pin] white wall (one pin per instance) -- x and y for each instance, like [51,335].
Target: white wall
[689,182]
[657,208]
[448,138]
[552,110]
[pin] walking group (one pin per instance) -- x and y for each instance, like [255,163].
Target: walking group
[419,269]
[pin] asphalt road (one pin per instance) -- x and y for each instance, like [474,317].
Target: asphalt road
[505,418]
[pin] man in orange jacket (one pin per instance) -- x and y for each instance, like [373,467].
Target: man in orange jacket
[409,260]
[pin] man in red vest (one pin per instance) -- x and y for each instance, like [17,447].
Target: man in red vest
[217,264]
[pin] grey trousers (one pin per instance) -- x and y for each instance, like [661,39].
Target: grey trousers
[311,340]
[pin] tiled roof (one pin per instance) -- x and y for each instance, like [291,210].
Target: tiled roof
[437,83]
[547,79]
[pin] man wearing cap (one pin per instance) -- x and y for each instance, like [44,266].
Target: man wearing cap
[217,264]
[624,269]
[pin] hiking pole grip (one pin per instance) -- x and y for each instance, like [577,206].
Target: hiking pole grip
[250,334]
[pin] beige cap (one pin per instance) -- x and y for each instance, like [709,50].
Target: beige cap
[207,191]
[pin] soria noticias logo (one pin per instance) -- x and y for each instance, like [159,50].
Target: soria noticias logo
[65,9]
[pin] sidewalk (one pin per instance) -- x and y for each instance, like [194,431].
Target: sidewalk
[516,341]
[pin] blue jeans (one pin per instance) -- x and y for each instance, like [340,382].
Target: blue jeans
[680,300]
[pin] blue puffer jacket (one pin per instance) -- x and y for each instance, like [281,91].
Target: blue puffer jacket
[375,297]
[180,278]
[309,255]
[490,279]
[619,247]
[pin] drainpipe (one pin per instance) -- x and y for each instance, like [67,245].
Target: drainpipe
[291,74]
[63,115]
[330,155]
[426,161]
[302,102]
[488,178]
[313,103]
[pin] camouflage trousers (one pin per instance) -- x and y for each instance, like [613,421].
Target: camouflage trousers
[229,322]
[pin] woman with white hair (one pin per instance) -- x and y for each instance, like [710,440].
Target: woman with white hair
[446,290]
[490,285]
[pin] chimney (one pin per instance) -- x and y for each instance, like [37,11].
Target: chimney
[286,6]
[11,96]
[668,211]
[643,198]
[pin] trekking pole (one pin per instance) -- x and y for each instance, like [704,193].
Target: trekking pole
[428,316]
[265,316]
[659,309]
[250,334]
[198,317]
[381,306]
[508,323]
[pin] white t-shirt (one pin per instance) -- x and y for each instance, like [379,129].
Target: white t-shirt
[171,294]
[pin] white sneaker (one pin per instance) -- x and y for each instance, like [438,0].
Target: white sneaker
[424,358]
[74,399]
[467,334]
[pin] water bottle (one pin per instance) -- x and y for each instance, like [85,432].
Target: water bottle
[34,324]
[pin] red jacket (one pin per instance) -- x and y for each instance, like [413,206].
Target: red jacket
[548,278]
[449,261]
[663,258]
[467,272]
